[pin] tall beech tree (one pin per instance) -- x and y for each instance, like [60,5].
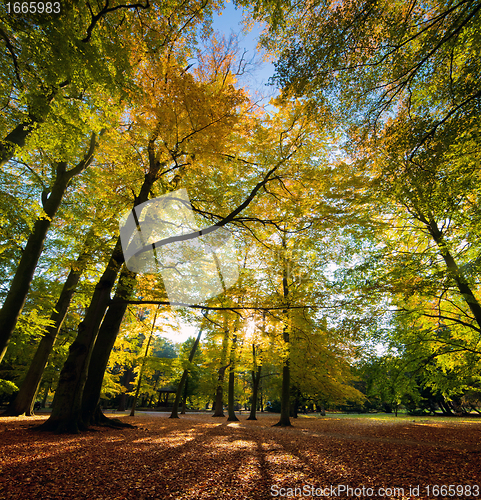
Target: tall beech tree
[142,365]
[90,394]
[232,366]
[54,84]
[66,412]
[401,78]
[428,259]
[200,112]
[24,400]
[222,367]
[51,200]
[256,378]
[219,86]
[363,59]
[284,420]
[183,380]
[172,141]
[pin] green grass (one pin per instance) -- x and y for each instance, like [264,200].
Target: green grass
[402,417]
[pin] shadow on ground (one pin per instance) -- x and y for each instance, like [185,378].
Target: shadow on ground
[200,457]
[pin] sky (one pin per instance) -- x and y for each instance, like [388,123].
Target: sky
[231,22]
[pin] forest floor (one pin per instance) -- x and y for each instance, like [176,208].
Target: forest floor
[201,457]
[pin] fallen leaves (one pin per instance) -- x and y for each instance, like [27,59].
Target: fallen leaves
[196,458]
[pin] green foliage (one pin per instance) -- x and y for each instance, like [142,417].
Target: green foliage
[366,233]
[7,387]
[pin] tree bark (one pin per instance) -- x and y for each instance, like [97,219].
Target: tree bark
[99,418]
[219,391]
[231,399]
[23,402]
[123,402]
[454,272]
[45,396]
[104,344]
[142,367]
[284,420]
[20,285]
[184,399]
[256,378]
[68,396]
[16,139]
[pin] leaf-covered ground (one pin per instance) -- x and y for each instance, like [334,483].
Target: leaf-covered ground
[201,457]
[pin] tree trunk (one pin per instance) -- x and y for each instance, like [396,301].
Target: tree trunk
[18,136]
[67,406]
[24,400]
[284,421]
[256,378]
[20,285]
[45,396]
[294,409]
[178,394]
[183,379]
[184,399]
[231,395]
[104,344]
[231,400]
[16,139]
[66,412]
[141,372]
[219,392]
[126,383]
[454,272]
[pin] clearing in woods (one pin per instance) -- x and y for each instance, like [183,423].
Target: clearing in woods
[200,457]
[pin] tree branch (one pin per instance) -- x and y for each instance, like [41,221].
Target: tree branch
[87,159]
[223,222]
[106,10]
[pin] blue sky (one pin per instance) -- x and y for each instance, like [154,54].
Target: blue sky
[231,22]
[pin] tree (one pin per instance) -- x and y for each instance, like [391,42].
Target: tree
[142,366]
[194,126]
[24,400]
[59,86]
[182,384]
[51,199]
[400,81]
[425,53]
[55,67]
[222,367]
[428,259]
[256,378]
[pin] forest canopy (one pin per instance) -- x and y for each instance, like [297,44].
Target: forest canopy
[322,247]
